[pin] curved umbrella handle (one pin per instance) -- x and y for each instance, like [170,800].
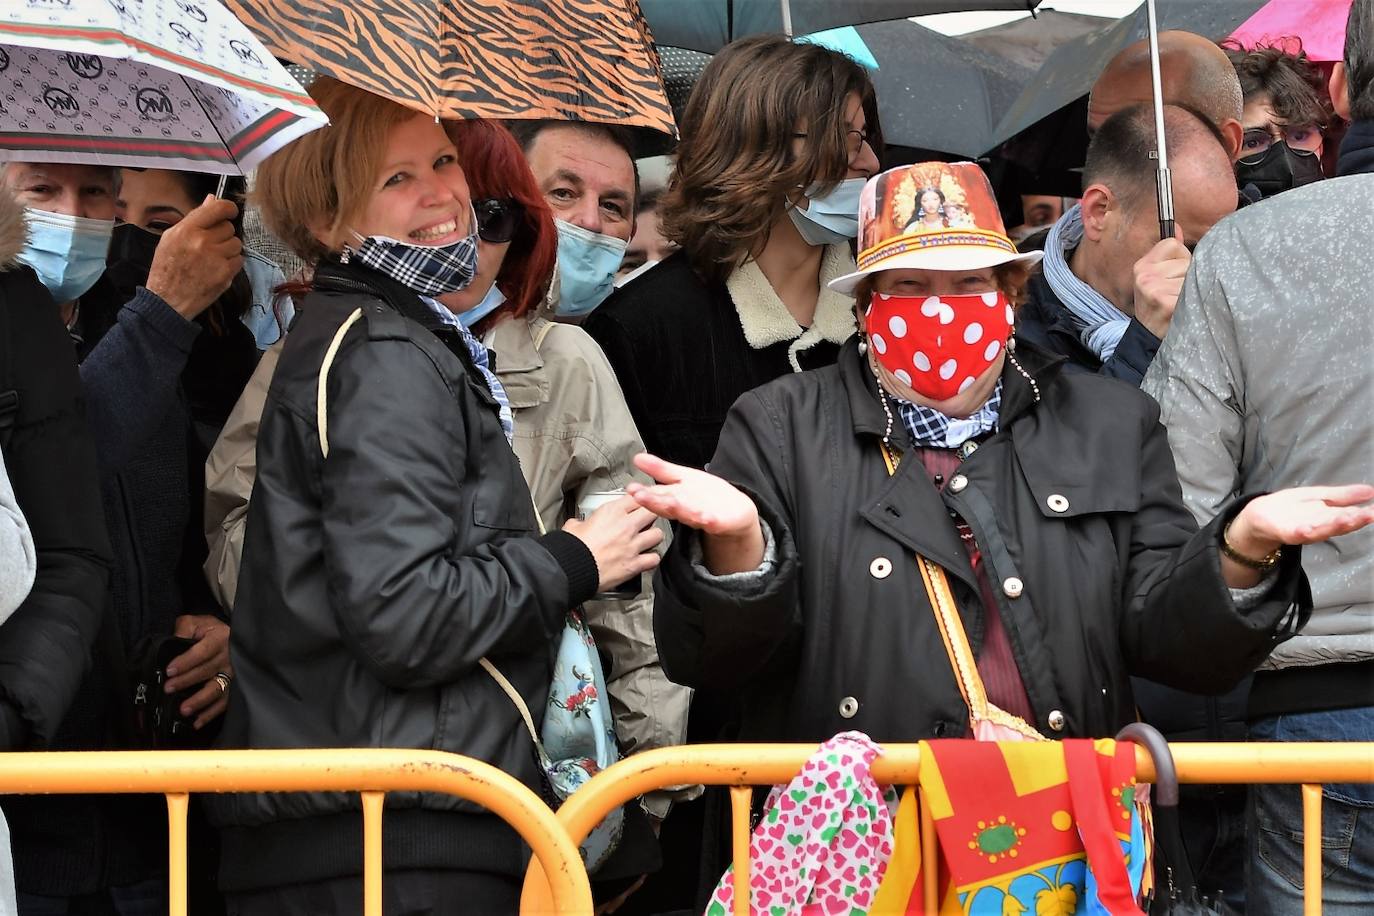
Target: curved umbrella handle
[1166,776]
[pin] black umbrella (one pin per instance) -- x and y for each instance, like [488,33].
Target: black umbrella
[1043,130]
[1176,891]
[935,93]
[709,25]
[681,69]
[1030,40]
[939,93]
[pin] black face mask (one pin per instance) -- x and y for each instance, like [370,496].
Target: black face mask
[1279,168]
[130,257]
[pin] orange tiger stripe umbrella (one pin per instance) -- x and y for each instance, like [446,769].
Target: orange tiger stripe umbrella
[587,60]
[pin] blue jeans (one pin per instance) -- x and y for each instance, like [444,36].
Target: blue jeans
[1274,877]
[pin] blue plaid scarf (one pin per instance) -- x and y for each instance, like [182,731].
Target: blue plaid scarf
[428,270]
[482,358]
[1100,324]
[932,429]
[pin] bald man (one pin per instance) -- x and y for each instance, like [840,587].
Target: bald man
[1193,72]
[1107,289]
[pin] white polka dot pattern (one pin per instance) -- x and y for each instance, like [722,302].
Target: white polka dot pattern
[938,345]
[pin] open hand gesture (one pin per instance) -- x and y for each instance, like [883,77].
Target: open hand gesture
[1301,515]
[728,519]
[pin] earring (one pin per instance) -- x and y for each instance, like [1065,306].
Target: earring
[863,346]
[1011,341]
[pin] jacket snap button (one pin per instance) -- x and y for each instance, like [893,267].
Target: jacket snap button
[957,483]
[1056,720]
[880,568]
[1057,503]
[849,707]
[1012,587]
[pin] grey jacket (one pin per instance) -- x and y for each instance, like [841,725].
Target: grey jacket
[1266,381]
[18,562]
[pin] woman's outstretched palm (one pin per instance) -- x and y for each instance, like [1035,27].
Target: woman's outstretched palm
[695,498]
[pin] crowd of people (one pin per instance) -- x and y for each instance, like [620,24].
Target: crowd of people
[328,460]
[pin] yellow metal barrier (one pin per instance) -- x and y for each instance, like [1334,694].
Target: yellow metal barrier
[372,772]
[744,765]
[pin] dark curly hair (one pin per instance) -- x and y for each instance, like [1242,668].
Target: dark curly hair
[1292,82]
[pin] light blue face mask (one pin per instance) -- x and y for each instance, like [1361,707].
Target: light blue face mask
[587,262]
[830,218]
[490,303]
[67,252]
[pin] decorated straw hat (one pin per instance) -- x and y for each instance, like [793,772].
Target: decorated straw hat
[931,216]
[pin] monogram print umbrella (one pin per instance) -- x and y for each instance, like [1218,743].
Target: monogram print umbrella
[177,84]
[588,60]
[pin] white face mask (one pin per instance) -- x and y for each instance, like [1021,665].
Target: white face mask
[830,218]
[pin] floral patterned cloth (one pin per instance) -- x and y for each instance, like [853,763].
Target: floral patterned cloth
[824,840]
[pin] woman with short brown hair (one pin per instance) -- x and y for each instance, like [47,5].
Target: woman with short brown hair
[778,138]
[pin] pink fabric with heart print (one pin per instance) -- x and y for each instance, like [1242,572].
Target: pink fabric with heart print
[823,842]
[938,345]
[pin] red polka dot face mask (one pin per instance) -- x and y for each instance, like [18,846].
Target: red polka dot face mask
[938,345]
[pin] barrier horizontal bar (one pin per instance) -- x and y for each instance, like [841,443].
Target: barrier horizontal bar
[763,765]
[742,764]
[313,770]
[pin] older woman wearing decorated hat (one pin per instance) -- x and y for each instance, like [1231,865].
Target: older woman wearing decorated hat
[941,482]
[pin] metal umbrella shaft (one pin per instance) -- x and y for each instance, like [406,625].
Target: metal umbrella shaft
[1164,185]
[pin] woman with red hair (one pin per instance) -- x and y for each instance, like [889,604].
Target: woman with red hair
[573,432]
[517,244]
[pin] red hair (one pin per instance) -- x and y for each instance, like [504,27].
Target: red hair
[495,167]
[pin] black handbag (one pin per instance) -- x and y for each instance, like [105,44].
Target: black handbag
[1176,892]
[157,720]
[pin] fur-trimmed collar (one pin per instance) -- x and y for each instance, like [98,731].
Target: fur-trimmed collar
[14,230]
[766,321]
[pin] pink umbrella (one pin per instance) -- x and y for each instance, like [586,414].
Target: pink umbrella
[1319,23]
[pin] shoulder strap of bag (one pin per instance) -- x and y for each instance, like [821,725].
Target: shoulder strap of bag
[519,703]
[957,647]
[322,395]
[506,685]
[322,427]
[961,657]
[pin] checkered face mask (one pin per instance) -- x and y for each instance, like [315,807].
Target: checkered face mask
[428,270]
